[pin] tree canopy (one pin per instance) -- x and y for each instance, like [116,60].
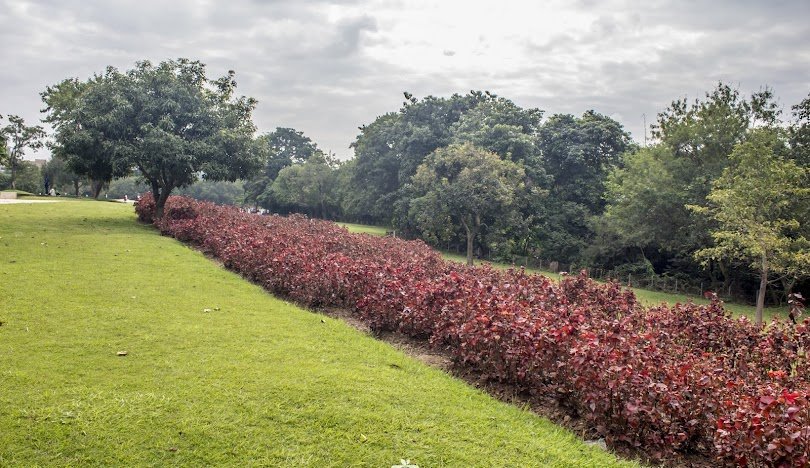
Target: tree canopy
[19,137]
[760,204]
[311,187]
[168,121]
[466,186]
[646,221]
[284,147]
[82,113]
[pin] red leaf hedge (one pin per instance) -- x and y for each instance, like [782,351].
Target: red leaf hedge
[686,378]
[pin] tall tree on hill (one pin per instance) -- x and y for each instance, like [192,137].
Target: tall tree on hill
[82,114]
[20,137]
[173,124]
[466,186]
[760,202]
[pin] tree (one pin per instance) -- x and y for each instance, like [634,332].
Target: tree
[800,133]
[222,192]
[646,220]
[3,145]
[20,137]
[389,150]
[645,201]
[706,131]
[172,124]
[82,114]
[466,186]
[502,127]
[757,204]
[29,177]
[180,126]
[57,175]
[284,147]
[499,125]
[578,153]
[311,187]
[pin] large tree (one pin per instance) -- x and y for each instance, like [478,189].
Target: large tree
[646,222]
[499,125]
[178,126]
[577,155]
[284,147]
[82,114]
[389,150]
[172,124]
[311,186]
[760,203]
[464,186]
[19,137]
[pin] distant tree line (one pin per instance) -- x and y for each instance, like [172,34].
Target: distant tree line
[478,174]
[719,198]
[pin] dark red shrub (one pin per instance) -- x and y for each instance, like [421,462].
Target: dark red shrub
[687,378]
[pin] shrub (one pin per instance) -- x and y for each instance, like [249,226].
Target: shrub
[686,378]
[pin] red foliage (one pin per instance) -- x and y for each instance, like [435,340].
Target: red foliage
[686,378]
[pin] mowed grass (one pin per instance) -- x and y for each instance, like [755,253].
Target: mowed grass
[365,228]
[645,296]
[255,381]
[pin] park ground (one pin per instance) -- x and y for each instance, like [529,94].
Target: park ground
[120,347]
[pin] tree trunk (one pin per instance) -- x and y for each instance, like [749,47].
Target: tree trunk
[13,176]
[763,285]
[95,187]
[726,276]
[470,238]
[472,231]
[76,187]
[160,201]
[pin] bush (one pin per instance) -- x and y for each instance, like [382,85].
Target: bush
[681,379]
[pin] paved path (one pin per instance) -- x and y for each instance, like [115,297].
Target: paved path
[8,201]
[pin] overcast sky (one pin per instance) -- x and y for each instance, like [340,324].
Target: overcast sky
[328,67]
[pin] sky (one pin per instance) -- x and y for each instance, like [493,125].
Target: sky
[327,68]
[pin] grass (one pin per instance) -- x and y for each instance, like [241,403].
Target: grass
[253,381]
[646,297]
[365,228]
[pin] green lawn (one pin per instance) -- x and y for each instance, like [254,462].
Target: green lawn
[365,228]
[646,297]
[251,381]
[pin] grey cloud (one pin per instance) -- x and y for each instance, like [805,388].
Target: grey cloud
[310,71]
